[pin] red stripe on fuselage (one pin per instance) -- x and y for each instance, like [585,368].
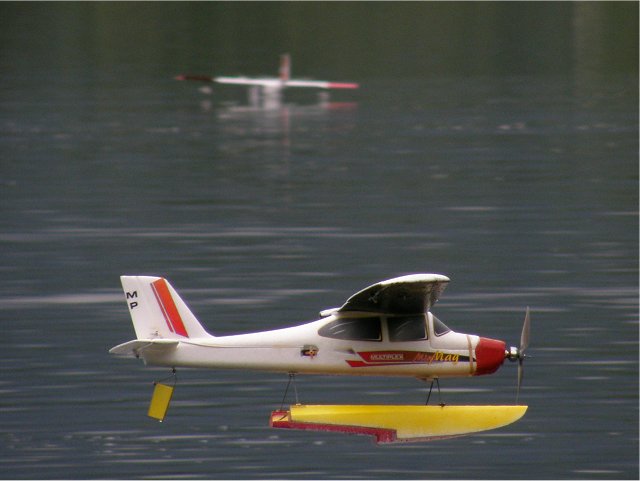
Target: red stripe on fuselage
[168,307]
[396,358]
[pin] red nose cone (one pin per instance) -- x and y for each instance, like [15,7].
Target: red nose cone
[489,355]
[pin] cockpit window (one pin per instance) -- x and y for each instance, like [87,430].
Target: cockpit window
[407,328]
[353,329]
[439,327]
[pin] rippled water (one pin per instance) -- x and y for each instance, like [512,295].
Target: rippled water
[523,189]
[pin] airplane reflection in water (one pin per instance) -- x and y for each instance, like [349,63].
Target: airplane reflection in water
[276,125]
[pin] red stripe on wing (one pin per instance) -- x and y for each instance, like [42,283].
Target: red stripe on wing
[168,307]
[343,85]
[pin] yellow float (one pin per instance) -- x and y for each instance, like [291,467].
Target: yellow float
[397,423]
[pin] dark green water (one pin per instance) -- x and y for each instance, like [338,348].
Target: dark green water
[496,143]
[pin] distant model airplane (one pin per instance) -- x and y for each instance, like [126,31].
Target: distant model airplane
[272,86]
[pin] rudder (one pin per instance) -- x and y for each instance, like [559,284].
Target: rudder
[157,311]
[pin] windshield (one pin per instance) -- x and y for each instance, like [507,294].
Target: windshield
[439,327]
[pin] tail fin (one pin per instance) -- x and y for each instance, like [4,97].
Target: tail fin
[157,311]
[285,67]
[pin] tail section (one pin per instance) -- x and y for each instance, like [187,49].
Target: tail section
[157,311]
[285,67]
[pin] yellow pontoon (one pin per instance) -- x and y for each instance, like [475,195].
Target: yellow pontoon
[397,423]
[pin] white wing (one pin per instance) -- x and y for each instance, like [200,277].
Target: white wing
[276,82]
[321,84]
[264,82]
[412,294]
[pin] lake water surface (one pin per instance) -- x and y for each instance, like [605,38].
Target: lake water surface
[521,186]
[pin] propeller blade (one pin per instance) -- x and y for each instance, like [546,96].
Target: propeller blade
[524,343]
[520,377]
[524,337]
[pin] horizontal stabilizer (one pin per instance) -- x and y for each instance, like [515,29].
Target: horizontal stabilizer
[135,348]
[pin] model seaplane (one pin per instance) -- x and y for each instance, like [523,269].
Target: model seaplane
[387,329]
[268,90]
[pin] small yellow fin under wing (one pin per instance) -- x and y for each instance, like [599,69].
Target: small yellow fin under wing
[160,401]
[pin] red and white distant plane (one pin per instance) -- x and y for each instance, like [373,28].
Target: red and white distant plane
[271,87]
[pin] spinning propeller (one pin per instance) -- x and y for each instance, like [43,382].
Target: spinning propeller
[515,353]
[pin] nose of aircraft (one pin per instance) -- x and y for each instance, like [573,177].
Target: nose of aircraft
[490,354]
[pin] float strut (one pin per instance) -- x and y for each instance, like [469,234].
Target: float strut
[292,378]
[439,394]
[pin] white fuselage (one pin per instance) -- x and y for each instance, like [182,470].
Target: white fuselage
[302,349]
